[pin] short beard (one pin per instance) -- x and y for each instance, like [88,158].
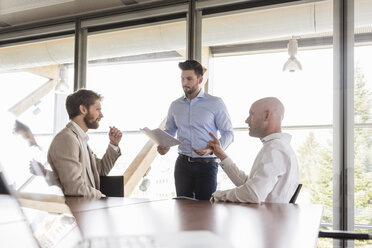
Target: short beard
[90,123]
[190,91]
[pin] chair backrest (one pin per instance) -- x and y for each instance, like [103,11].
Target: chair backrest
[294,197]
[184,198]
[112,185]
[338,234]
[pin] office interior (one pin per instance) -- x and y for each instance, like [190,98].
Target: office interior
[129,50]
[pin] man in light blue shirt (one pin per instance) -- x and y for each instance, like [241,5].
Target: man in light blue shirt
[192,117]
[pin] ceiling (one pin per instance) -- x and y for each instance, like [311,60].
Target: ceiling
[19,12]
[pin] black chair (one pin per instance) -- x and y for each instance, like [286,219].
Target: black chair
[184,198]
[294,197]
[112,185]
[337,234]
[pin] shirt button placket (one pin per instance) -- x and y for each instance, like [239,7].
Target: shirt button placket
[190,127]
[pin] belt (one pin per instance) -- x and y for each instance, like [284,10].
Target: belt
[199,160]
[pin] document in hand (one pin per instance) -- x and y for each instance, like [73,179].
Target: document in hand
[160,137]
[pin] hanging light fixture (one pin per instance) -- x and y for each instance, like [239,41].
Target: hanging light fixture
[292,63]
[62,85]
[145,181]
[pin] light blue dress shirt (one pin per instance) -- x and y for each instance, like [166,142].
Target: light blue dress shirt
[192,120]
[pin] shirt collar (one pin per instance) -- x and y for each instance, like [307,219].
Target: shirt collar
[200,95]
[282,136]
[82,134]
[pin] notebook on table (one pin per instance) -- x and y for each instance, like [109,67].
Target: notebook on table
[53,225]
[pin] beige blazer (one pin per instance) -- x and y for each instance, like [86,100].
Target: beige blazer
[69,162]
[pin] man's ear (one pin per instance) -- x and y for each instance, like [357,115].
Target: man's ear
[83,109]
[267,114]
[200,79]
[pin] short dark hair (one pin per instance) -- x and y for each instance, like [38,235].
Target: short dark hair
[80,97]
[192,65]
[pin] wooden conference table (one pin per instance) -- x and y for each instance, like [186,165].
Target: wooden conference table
[243,225]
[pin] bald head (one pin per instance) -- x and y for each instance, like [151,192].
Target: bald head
[265,117]
[273,105]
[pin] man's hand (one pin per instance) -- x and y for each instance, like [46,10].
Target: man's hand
[163,149]
[203,152]
[218,196]
[216,147]
[115,136]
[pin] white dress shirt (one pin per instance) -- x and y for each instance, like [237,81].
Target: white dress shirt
[274,176]
[85,139]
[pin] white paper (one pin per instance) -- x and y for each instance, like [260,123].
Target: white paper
[160,137]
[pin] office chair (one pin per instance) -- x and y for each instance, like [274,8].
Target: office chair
[294,197]
[338,234]
[184,198]
[112,185]
[335,234]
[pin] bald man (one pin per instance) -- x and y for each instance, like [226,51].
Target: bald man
[274,176]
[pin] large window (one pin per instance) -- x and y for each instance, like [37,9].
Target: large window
[139,78]
[362,139]
[34,88]
[362,119]
[248,52]
[248,66]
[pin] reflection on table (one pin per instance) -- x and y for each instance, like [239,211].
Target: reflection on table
[243,225]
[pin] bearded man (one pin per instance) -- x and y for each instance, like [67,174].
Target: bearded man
[192,117]
[74,164]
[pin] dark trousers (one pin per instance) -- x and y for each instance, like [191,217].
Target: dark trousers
[195,179]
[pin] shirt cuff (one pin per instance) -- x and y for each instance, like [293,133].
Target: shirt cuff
[116,148]
[227,160]
[219,195]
